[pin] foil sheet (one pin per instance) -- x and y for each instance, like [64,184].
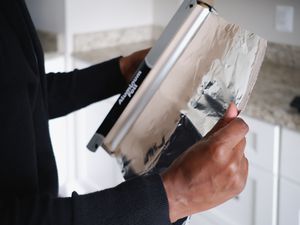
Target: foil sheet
[219,66]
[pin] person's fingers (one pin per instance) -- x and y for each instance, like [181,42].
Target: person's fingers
[242,175]
[238,158]
[129,64]
[231,135]
[245,169]
[139,56]
[230,114]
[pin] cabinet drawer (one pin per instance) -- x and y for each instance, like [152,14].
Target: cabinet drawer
[263,144]
[289,203]
[290,155]
[254,206]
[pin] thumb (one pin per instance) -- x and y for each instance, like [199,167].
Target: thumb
[230,114]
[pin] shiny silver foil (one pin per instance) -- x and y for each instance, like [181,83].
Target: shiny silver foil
[219,65]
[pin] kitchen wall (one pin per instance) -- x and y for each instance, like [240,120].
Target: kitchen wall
[259,17]
[84,16]
[42,12]
[163,11]
[99,15]
[90,20]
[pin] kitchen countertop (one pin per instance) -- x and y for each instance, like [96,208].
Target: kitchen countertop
[275,89]
[100,55]
[52,55]
[270,101]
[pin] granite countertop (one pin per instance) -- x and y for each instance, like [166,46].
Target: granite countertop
[100,55]
[52,55]
[276,87]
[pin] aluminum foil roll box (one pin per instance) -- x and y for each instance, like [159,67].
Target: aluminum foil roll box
[199,65]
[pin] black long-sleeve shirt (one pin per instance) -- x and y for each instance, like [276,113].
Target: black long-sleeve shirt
[28,174]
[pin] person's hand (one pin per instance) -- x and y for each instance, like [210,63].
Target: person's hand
[129,64]
[211,172]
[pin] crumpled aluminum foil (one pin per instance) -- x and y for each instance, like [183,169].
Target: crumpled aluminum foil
[219,66]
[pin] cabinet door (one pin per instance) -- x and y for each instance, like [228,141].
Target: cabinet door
[59,139]
[289,203]
[94,171]
[290,155]
[263,144]
[204,219]
[54,63]
[254,206]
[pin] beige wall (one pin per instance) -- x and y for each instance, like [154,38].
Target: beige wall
[163,11]
[259,17]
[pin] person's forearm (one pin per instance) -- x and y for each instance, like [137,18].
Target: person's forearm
[138,201]
[71,91]
[135,202]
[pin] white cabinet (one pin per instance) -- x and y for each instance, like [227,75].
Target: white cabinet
[254,206]
[290,155]
[78,169]
[289,191]
[59,139]
[289,203]
[257,204]
[54,62]
[203,219]
[263,144]
[96,171]
[272,194]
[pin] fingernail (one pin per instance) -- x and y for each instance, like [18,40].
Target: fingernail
[232,111]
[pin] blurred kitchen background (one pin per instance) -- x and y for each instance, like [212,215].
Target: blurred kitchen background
[79,33]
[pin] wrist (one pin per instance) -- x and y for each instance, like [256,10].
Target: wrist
[178,204]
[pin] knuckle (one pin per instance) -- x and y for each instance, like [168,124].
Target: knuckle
[232,172]
[233,169]
[238,184]
[218,153]
[242,180]
[243,125]
[238,176]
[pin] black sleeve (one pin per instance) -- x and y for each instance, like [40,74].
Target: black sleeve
[141,201]
[71,91]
